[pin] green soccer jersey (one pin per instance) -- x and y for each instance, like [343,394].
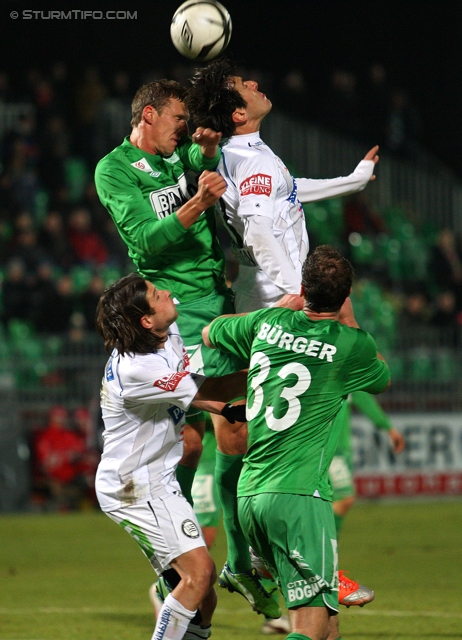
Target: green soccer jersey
[300,373]
[142,192]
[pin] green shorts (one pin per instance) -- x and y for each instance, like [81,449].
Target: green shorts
[192,318]
[295,536]
[204,490]
[341,477]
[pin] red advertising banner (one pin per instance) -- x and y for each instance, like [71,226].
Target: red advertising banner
[430,465]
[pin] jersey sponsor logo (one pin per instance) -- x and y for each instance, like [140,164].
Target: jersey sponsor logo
[190,529]
[142,165]
[176,414]
[302,589]
[170,383]
[155,174]
[170,198]
[260,184]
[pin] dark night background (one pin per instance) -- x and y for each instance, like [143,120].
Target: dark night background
[418,43]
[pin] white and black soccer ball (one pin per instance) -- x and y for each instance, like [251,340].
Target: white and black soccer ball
[201,29]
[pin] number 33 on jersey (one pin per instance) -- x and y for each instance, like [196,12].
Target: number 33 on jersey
[300,372]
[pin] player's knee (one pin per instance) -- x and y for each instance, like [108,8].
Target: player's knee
[202,578]
[192,448]
[232,442]
[191,455]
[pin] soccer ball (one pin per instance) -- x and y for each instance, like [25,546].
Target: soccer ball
[201,29]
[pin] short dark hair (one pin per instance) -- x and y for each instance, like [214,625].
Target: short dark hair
[327,278]
[118,316]
[212,98]
[156,94]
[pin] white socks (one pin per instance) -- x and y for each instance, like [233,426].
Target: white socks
[172,621]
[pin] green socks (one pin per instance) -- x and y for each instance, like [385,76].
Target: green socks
[297,636]
[185,476]
[227,470]
[338,523]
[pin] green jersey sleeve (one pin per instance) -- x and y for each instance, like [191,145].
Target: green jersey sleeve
[369,406]
[191,156]
[367,372]
[142,232]
[235,335]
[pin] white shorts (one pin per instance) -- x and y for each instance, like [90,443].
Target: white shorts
[164,528]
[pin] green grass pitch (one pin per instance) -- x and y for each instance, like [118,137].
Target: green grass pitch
[80,577]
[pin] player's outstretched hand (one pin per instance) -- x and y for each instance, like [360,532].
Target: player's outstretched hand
[211,186]
[291,301]
[208,139]
[397,440]
[372,155]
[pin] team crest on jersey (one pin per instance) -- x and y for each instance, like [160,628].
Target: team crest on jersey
[190,529]
[170,383]
[259,184]
[176,414]
[142,165]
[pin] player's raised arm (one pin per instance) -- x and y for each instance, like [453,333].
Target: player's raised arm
[211,187]
[372,155]
[208,140]
[314,190]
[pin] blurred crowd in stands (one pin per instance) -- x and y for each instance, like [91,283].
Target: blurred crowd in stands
[64,460]
[59,248]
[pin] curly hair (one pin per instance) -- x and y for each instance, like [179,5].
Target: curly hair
[327,278]
[212,98]
[118,316]
[156,94]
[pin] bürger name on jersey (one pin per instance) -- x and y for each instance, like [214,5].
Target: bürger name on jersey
[284,340]
[259,184]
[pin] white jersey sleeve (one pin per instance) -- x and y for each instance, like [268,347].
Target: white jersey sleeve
[310,190]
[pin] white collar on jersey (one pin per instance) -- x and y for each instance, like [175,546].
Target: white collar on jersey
[246,139]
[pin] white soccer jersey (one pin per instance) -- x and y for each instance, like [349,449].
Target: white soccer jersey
[263,213]
[143,399]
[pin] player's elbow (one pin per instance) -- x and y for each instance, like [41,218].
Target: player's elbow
[205,337]
[387,386]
